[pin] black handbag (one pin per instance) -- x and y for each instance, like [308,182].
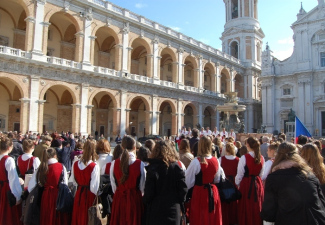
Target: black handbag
[228,192]
[31,207]
[64,201]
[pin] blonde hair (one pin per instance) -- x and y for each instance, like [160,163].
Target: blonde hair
[205,148]
[89,152]
[230,148]
[310,153]
[103,146]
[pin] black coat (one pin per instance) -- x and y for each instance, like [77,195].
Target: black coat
[291,198]
[164,193]
[64,154]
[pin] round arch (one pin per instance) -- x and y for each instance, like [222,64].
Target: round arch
[169,51]
[19,84]
[137,41]
[59,83]
[94,93]
[73,20]
[108,30]
[192,60]
[145,101]
[234,49]
[170,102]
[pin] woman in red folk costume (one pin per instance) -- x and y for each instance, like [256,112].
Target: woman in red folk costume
[9,181]
[229,164]
[127,177]
[85,175]
[48,175]
[202,174]
[249,173]
[27,161]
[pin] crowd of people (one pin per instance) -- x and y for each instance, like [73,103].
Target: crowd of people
[165,181]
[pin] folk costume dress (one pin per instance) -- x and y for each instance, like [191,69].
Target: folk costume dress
[9,181]
[205,203]
[229,164]
[27,161]
[250,185]
[86,178]
[48,214]
[127,208]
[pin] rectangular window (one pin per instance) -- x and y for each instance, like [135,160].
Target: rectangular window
[322,59]
[286,91]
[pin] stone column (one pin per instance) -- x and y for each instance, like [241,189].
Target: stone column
[174,124]
[118,57]
[150,59]
[154,121]
[174,72]
[123,119]
[180,80]
[88,18]
[40,115]
[37,52]
[92,49]
[179,115]
[158,70]
[250,127]
[155,74]
[76,118]
[218,78]
[245,86]
[45,36]
[309,106]
[232,80]
[302,101]
[200,115]
[200,74]
[217,120]
[125,51]
[270,105]
[265,107]
[24,103]
[33,106]
[89,117]
[30,25]
[84,109]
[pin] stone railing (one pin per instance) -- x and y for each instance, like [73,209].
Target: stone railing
[101,71]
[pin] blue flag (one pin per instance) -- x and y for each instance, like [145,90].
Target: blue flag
[300,129]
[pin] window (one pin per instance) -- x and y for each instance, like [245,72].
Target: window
[286,91]
[322,59]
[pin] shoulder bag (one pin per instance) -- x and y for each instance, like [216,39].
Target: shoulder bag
[64,201]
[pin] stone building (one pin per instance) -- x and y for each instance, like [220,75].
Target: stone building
[89,65]
[298,82]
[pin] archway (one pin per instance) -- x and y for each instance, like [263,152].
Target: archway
[13,25]
[105,48]
[140,60]
[167,119]
[209,82]
[190,74]
[58,110]
[139,118]
[225,81]
[167,67]
[239,86]
[103,115]
[10,110]
[61,37]
[209,120]
[189,116]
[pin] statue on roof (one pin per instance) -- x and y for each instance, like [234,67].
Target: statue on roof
[291,116]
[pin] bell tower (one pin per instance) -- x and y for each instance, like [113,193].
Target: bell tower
[242,37]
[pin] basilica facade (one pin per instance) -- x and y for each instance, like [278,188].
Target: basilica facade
[89,65]
[297,83]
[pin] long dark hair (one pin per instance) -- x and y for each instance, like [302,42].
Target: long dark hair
[5,143]
[255,145]
[43,169]
[128,144]
[89,152]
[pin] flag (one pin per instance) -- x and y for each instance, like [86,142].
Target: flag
[300,129]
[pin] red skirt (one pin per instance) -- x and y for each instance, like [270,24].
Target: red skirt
[127,207]
[199,210]
[49,215]
[83,200]
[229,212]
[249,207]
[8,215]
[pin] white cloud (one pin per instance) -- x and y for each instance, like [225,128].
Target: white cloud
[175,28]
[283,54]
[285,41]
[140,5]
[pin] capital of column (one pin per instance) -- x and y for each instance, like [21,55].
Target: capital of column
[43,2]
[30,19]
[149,55]
[76,105]
[180,51]
[175,63]
[129,48]
[119,46]
[41,102]
[24,100]
[123,91]
[92,37]
[45,24]
[127,110]
[89,106]
[79,34]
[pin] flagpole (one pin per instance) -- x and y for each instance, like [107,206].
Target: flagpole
[295,129]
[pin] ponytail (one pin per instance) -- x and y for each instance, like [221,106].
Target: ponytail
[128,144]
[254,144]
[41,175]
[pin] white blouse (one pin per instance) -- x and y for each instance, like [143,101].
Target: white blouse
[104,159]
[241,168]
[267,169]
[132,159]
[33,182]
[195,167]
[94,178]
[14,184]
[27,156]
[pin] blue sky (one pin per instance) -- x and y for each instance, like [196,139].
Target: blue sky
[204,20]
